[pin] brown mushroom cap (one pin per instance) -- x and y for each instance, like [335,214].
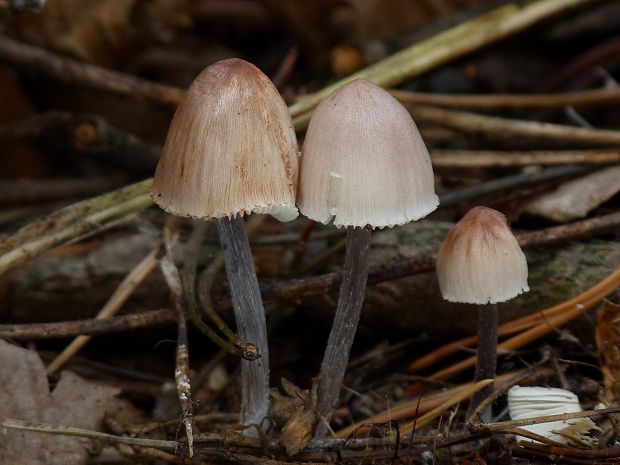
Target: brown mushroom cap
[364,161]
[231,148]
[480,260]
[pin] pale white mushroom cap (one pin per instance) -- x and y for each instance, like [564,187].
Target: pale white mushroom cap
[535,401]
[231,148]
[364,162]
[480,260]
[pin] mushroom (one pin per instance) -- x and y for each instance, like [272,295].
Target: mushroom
[480,262]
[231,150]
[364,165]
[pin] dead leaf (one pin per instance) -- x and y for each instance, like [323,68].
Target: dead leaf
[608,344]
[26,395]
[298,410]
[576,198]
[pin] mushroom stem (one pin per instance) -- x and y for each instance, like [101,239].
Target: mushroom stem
[486,363]
[250,318]
[336,358]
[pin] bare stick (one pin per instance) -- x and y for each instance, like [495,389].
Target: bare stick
[85,433]
[498,426]
[488,320]
[92,326]
[36,191]
[473,123]
[250,318]
[342,334]
[71,222]
[72,71]
[605,96]
[485,158]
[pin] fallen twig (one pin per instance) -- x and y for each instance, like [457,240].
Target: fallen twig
[84,433]
[489,159]
[473,123]
[605,96]
[72,71]
[72,221]
[90,327]
[502,425]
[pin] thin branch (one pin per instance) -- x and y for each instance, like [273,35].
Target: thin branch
[502,425]
[605,96]
[84,433]
[472,123]
[74,72]
[71,222]
[91,327]
[36,191]
[490,159]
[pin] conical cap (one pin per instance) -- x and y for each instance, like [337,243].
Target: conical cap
[231,148]
[480,260]
[364,161]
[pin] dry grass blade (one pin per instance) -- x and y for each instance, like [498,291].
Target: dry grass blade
[593,295]
[548,325]
[437,411]
[420,406]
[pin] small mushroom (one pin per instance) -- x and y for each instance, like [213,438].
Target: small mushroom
[364,165]
[231,150]
[480,262]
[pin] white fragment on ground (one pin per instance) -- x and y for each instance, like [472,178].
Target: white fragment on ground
[531,402]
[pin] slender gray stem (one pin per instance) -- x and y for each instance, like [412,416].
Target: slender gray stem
[250,318]
[336,358]
[488,317]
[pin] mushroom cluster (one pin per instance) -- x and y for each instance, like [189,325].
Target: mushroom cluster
[231,150]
